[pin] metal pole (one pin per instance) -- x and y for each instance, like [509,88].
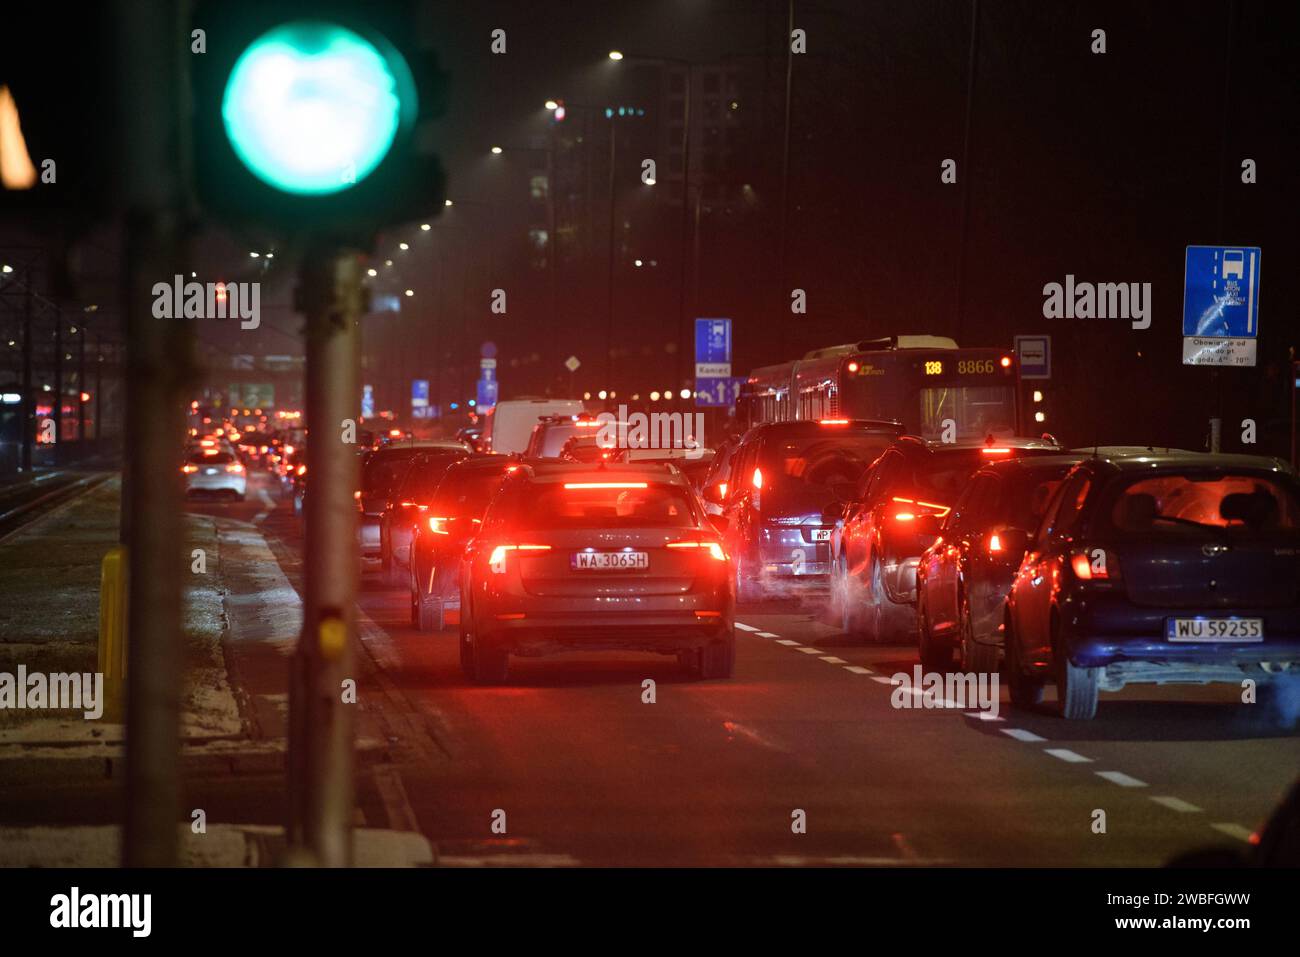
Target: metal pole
[81,392]
[56,407]
[27,411]
[781,272]
[321,788]
[964,172]
[159,371]
[552,252]
[99,394]
[609,318]
[684,329]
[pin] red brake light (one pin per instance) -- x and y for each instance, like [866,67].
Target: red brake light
[758,478]
[995,544]
[438,524]
[302,470]
[990,450]
[585,424]
[722,489]
[905,516]
[573,485]
[1006,362]
[833,422]
[497,560]
[921,508]
[1094,564]
[189,468]
[235,467]
[714,549]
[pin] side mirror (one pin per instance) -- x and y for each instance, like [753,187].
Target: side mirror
[832,513]
[719,522]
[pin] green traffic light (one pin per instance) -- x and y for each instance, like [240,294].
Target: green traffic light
[313,107]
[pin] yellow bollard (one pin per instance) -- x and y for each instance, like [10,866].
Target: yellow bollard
[112,631]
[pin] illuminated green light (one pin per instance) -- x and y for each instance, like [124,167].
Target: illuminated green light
[313,107]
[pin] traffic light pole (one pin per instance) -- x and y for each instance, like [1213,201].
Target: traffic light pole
[321,726]
[159,372]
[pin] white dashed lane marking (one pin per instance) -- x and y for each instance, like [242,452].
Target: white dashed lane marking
[766,634]
[1071,757]
[883,681]
[858,669]
[744,627]
[1122,779]
[809,651]
[787,641]
[832,660]
[984,716]
[1234,830]
[1020,734]
[1177,804]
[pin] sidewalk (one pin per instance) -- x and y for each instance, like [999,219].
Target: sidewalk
[63,773]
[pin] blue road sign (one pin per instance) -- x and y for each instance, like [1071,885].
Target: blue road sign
[487,393]
[1221,292]
[718,393]
[712,340]
[419,393]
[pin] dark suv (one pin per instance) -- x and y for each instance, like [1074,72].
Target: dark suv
[783,477]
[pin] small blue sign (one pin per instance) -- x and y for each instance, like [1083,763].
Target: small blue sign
[712,340]
[419,393]
[1221,292]
[487,393]
[718,393]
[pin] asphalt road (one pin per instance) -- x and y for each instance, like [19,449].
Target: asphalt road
[714,772]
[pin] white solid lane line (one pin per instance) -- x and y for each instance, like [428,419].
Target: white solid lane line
[1068,756]
[1122,779]
[1020,734]
[1176,804]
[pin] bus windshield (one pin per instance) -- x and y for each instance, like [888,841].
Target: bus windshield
[924,391]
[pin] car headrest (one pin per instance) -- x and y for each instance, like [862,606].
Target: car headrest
[1139,511]
[1257,509]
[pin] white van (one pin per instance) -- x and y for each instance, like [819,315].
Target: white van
[510,424]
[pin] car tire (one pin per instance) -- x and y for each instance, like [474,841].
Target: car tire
[491,664]
[1026,689]
[878,606]
[413,589]
[850,613]
[976,657]
[718,658]
[431,613]
[1077,688]
[466,650]
[746,589]
[935,654]
[689,661]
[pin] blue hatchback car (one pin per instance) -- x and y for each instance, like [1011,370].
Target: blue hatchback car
[1163,567]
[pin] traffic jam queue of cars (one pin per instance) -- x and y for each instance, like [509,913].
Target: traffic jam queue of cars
[900,497]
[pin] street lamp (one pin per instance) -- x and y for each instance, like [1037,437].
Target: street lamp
[615,55]
[552,105]
[496,149]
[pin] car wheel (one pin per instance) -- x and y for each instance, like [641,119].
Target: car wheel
[746,588]
[413,588]
[466,650]
[689,661]
[491,663]
[1076,688]
[936,654]
[1026,689]
[976,657]
[718,658]
[431,614]
[878,606]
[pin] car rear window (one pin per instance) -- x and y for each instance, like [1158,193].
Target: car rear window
[1188,502]
[383,470]
[467,492]
[944,475]
[215,458]
[823,459]
[614,503]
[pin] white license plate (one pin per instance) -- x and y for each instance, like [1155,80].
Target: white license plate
[209,471]
[1214,629]
[611,561]
[821,534]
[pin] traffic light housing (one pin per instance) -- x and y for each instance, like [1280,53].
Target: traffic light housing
[309,118]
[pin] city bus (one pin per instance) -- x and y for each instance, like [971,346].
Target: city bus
[920,381]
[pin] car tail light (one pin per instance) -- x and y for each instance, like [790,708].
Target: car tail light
[1094,564]
[833,422]
[438,524]
[1006,362]
[235,467]
[497,560]
[713,548]
[189,468]
[914,507]
[992,450]
[722,489]
[579,485]
[302,470]
[758,479]
[995,544]
[414,505]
